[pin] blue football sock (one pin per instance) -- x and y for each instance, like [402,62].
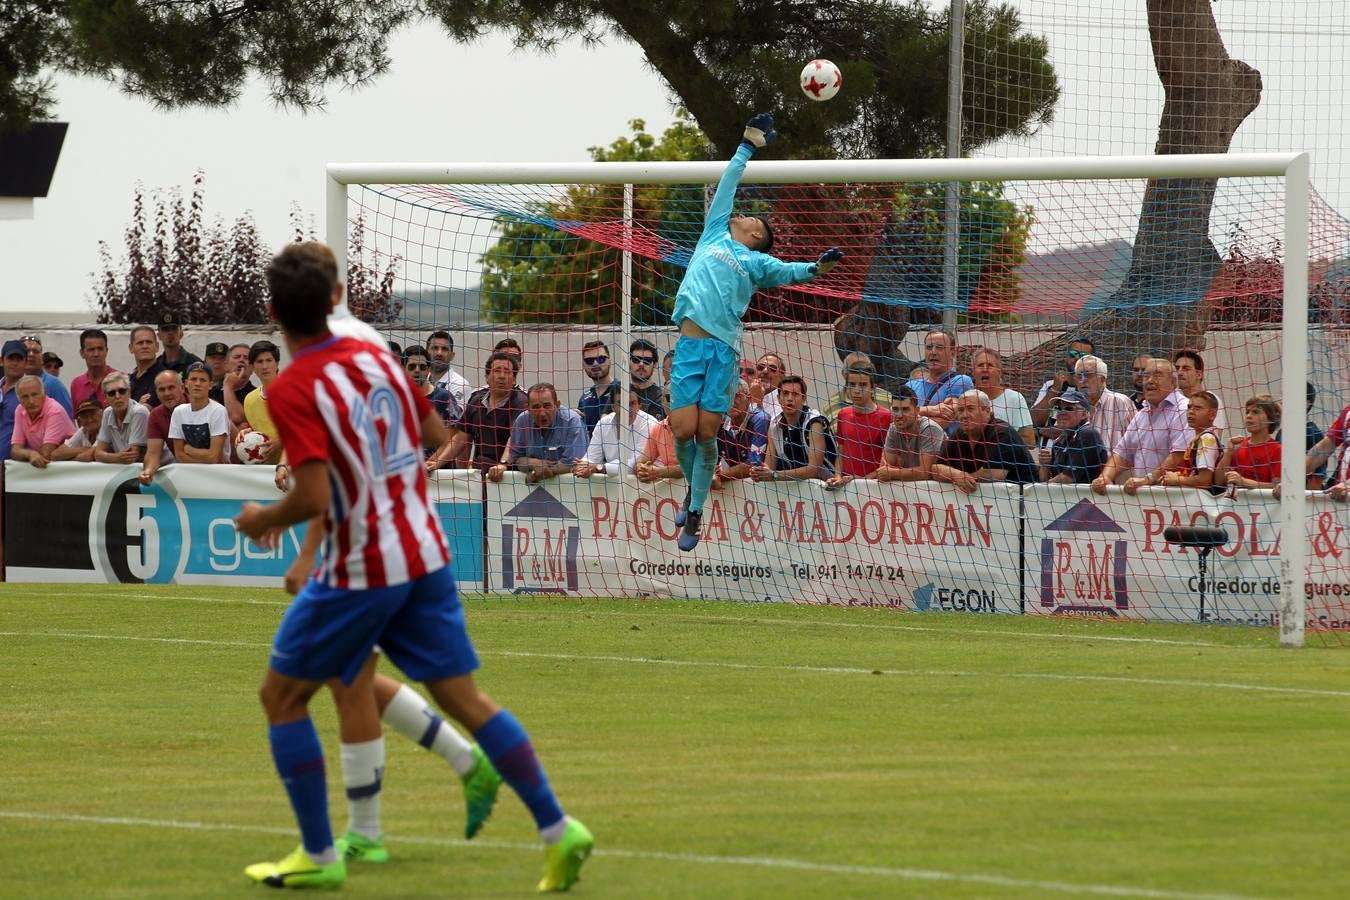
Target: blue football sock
[299,759]
[705,463]
[684,454]
[508,746]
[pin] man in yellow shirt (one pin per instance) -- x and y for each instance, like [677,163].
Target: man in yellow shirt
[265,358]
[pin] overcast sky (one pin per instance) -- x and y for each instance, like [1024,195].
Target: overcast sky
[438,102]
[443,102]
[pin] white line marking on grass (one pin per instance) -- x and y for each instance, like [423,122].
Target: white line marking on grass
[825,623]
[925,673]
[763,862]
[131,637]
[722,664]
[241,601]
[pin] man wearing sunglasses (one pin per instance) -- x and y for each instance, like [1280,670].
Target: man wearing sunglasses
[122,436]
[598,399]
[1062,381]
[417,363]
[642,357]
[36,365]
[768,374]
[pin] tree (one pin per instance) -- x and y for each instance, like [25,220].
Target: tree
[212,274]
[187,53]
[370,286]
[728,59]
[560,260]
[723,60]
[1162,300]
[207,273]
[539,272]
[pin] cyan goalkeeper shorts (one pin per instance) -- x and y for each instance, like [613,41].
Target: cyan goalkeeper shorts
[704,374]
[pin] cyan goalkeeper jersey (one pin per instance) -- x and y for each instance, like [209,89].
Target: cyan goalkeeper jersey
[723,273]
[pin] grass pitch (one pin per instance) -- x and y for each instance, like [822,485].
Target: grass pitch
[716,750]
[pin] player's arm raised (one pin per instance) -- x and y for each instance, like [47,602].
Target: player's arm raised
[758,132]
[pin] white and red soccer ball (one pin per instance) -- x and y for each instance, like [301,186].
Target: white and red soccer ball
[252,447]
[821,79]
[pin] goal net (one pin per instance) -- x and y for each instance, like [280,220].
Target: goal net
[1073,275]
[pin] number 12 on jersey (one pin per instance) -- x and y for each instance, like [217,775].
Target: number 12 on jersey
[394,453]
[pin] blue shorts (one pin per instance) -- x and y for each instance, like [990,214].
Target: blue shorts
[704,374]
[329,632]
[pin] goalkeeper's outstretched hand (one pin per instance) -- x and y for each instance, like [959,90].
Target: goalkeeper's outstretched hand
[759,131]
[828,260]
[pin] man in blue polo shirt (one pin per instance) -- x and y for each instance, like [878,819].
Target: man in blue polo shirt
[939,391]
[546,439]
[15,358]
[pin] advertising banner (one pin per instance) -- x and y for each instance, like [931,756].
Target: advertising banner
[93,522]
[1094,555]
[915,546]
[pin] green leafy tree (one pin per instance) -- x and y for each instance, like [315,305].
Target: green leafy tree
[186,53]
[723,60]
[539,273]
[545,269]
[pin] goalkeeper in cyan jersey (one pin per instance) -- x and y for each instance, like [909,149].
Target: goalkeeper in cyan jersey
[729,263]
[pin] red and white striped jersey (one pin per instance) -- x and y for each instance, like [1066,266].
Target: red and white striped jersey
[353,407]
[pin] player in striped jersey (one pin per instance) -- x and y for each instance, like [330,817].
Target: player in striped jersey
[352,423]
[374,698]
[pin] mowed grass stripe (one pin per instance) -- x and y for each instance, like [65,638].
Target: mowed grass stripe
[723,664]
[1065,629]
[679,731]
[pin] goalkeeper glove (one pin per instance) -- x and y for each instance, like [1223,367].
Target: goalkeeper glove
[759,131]
[828,260]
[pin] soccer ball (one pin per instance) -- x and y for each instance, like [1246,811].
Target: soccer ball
[821,79]
[252,447]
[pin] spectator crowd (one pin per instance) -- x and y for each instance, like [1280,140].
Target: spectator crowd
[946,425]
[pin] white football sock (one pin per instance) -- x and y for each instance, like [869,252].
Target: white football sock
[362,774]
[554,833]
[412,717]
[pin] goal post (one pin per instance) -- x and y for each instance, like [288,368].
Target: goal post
[615,228]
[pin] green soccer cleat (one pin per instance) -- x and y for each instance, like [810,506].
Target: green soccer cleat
[562,861]
[299,871]
[356,847]
[480,792]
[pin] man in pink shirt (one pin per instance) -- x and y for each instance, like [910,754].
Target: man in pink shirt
[94,352]
[40,425]
[1157,437]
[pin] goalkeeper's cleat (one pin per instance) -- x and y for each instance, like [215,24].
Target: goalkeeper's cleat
[299,871]
[693,524]
[683,511]
[356,847]
[562,861]
[480,792]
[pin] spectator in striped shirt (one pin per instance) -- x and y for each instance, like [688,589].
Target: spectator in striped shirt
[1111,411]
[1201,456]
